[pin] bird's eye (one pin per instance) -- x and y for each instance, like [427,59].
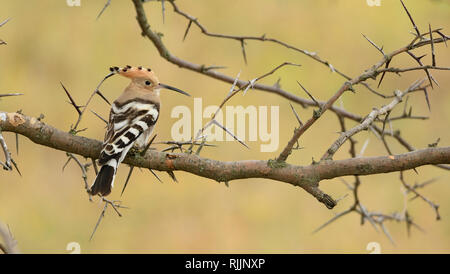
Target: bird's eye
[148,83]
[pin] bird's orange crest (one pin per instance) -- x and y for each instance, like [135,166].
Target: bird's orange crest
[133,72]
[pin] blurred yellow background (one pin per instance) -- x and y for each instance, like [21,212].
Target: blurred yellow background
[49,41]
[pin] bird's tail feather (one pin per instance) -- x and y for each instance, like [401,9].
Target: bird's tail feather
[104,181]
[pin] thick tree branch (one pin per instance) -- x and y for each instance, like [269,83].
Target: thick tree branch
[371,73]
[307,177]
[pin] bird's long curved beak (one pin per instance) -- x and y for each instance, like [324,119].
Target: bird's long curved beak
[174,89]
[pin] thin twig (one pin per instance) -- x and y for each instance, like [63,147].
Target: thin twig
[108,2]
[411,19]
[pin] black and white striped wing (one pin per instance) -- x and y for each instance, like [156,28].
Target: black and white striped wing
[127,122]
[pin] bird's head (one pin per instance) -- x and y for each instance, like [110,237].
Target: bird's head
[144,78]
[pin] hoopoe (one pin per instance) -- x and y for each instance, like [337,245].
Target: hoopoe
[131,121]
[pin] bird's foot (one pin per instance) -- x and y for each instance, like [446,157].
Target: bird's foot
[134,150]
